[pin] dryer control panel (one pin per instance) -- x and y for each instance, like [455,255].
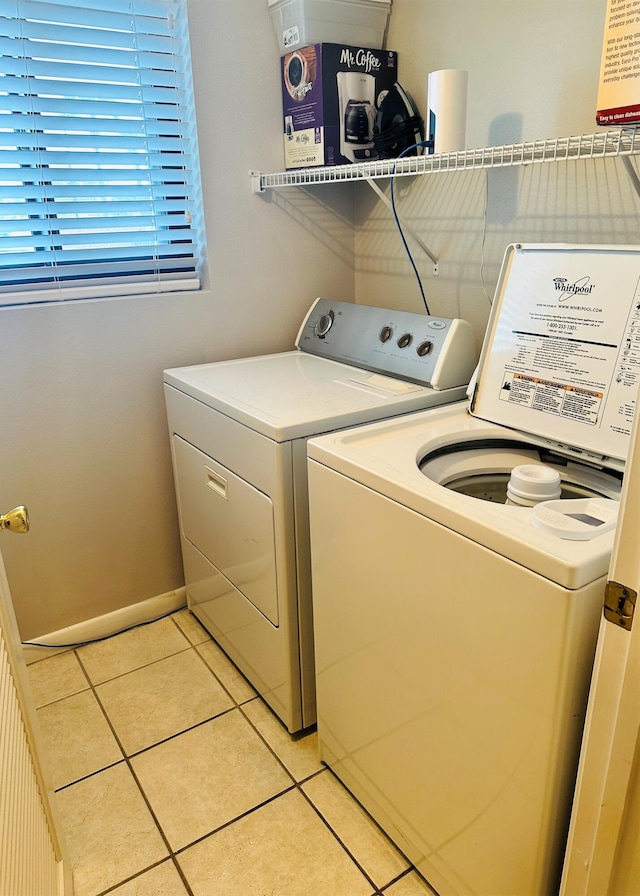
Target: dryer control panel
[432,351]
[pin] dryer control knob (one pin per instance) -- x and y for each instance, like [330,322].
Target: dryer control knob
[324,324]
[425,348]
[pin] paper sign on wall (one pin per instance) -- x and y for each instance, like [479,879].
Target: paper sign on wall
[619,88]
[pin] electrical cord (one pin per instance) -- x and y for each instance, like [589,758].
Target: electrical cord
[388,141]
[96,640]
[414,146]
[484,237]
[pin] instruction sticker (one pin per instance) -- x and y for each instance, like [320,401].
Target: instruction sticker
[562,356]
[552,398]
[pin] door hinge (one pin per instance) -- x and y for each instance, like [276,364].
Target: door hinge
[619,604]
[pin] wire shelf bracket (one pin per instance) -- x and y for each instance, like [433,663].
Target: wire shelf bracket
[406,227]
[621,142]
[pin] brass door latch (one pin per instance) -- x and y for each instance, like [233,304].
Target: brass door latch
[619,604]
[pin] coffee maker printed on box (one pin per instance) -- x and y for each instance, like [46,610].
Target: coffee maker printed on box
[357,110]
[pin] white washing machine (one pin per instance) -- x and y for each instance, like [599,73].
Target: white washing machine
[454,631]
[239,431]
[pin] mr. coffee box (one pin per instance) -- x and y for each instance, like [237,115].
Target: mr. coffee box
[330,98]
[619,88]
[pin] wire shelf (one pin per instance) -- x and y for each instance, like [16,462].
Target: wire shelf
[623,141]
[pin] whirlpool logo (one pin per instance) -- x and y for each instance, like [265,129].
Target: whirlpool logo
[580,287]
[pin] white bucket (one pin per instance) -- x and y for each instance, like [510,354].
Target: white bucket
[300,23]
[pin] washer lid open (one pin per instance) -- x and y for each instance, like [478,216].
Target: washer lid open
[561,355]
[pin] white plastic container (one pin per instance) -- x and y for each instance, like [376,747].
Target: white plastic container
[300,23]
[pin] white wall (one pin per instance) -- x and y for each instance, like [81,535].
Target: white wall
[84,441]
[533,73]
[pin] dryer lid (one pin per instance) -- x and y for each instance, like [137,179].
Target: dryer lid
[561,355]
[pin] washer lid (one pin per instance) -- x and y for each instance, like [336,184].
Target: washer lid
[561,355]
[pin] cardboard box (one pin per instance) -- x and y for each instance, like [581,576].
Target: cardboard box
[619,87]
[330,97]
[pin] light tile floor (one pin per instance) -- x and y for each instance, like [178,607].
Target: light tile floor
[173,777]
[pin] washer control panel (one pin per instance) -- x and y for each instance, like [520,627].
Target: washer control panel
[433,351]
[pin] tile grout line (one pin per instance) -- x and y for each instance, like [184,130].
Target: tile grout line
[298,786]
[171,854]
[295,785]
[152,867]
[228,824]
[343,845]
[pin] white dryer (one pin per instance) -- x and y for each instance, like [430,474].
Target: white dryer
[239,431]
[454,631]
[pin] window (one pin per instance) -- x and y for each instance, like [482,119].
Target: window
[99,177]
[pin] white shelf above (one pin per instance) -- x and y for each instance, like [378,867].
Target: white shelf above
[622,142]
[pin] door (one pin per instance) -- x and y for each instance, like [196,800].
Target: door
[603,851]
[32,857]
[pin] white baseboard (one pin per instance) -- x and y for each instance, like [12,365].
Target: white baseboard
[105,626]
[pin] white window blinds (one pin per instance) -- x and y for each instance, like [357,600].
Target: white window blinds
[99,178]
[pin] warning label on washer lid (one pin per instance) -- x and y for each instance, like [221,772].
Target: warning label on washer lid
[571,402]
[562,357]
